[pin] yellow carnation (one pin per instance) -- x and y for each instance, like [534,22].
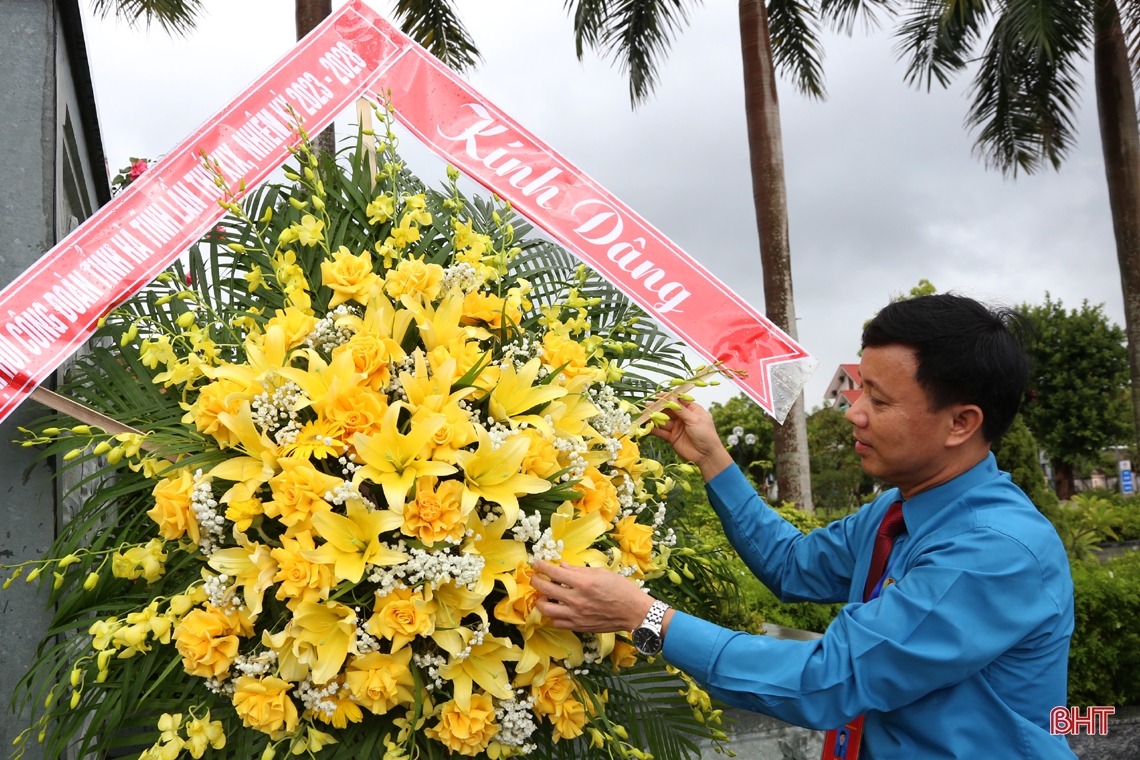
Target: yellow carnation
[401,616]
[598,495]
[349,277]
[487,309]
[264,705]
[381,681]
[243,511]
[541,458]
[437,514]
[226,396]
[467,732]
[172,509]
[413,276]
[516,607]
[356,410]
[298,493]
[301,580]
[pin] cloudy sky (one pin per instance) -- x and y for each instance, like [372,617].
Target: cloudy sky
[883,189]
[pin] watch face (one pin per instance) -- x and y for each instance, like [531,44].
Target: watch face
[647,640]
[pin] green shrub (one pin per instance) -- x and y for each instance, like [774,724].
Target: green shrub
[1104,656]
[1127,509]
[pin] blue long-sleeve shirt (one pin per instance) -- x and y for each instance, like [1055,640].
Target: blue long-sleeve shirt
[963,656]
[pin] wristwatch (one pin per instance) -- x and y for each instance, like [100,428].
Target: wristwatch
[647,636]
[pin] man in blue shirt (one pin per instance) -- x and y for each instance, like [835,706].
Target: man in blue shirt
[955,639]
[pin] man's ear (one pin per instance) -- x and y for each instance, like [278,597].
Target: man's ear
[965,423]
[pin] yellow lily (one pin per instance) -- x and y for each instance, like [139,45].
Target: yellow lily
[578,535]
[264,354]
[484,665]
[329,627]
[431,395]
[516,393]
[453,603]
[252,565]
[494,474]
[440,325]
[568,414]
[353,541]
[322,381]
[392,459]
[249,472]
[381,318]
[500,555]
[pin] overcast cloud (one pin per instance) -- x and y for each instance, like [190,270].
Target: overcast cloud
[883,188]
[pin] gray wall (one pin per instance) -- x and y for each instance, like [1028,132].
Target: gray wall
[34,102]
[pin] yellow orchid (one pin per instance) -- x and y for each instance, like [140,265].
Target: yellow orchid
[493,474]
[393,460]
[516,393]
[252,565]
[329,627]
[483,666]
[353,541]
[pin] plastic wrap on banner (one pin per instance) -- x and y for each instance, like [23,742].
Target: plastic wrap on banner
[54,306]
[460,125]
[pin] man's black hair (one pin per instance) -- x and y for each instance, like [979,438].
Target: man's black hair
[967,353]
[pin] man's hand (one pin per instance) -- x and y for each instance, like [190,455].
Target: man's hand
[692,434]
[589,599]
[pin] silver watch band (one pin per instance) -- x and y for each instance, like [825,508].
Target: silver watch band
[656,615]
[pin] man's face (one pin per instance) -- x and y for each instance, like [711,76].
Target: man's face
[897,436]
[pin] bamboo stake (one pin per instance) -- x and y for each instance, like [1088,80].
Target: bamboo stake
[84,414]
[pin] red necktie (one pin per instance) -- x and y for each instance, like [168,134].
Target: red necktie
[889,528]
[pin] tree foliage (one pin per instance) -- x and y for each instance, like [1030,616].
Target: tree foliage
[740,411]
[838,482]
[1078,399]
[1017,454]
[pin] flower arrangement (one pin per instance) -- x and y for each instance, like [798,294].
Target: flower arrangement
[363,409]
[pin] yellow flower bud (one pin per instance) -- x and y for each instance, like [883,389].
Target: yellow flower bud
[102,676]
[318,204]
[68,561]
[619,731]
[75,695]
[267,217]
[58,580]
[34,574]
[114,455]
[237,247]
[74,453]
[185,320]
[674,578]
[102,448]
[91,582]
[685,571]
[268,753]
[76,674]
[51,431]
[297,204]
[163,300]
[81,430]
[104,658]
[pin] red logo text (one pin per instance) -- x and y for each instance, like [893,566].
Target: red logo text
[1068,720]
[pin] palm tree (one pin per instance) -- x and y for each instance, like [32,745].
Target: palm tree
[1025,94]
[777,35]
[174,16]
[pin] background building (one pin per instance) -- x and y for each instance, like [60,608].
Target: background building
[53,175]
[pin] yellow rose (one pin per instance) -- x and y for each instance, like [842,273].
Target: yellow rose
[301,580]
[172,509]
[413,276]
[298,493]
[635,542]
[295,323]
[487,309]
[623,655]
[541,458]
[435,514]
[516,607]
[629,458]
[598,495]
[225,395]
[206,641]
[349,277]
[552,691]
[559,350]
[467,732]
[381,681]
[371,356]
[356,410]
[264,705]
[401,616]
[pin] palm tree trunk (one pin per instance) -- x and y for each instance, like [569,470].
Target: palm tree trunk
[766,151]
[309,13]
[1120,141]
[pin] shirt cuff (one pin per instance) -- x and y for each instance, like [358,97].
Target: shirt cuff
[690,643]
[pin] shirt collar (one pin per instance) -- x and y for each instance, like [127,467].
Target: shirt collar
[920,508]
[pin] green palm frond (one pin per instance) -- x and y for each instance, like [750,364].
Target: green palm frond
[174,16]
[637,34]
[1027,88]
[435,25]
[589,22]
[936,39]
[843,14]
[1128,12]
[796,48]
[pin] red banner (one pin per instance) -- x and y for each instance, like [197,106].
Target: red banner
[52,307]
